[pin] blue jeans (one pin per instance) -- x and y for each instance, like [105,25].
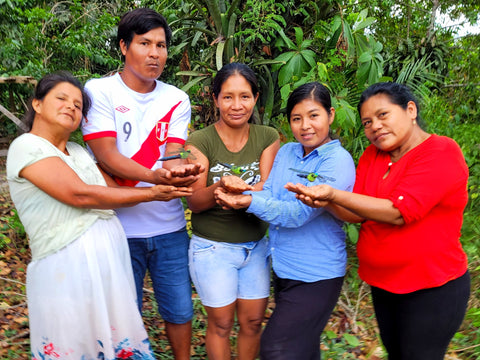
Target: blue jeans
[224,272]
[166,258]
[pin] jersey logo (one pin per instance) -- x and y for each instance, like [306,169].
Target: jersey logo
[161,130]
[123,109]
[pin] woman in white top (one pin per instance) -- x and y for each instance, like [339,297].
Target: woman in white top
[80,287]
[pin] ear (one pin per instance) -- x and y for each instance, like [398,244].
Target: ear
[331,116]
[37,105]
[123,47]
[215,100]
[256,97]
[412,110]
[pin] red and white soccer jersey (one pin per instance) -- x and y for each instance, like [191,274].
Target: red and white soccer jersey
[142,125]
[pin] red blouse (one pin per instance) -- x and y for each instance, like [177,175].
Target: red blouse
[429,187]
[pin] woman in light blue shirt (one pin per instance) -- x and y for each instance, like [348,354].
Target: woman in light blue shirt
[307,244]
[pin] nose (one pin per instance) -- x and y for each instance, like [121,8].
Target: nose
[376,124]
[154,51]
[237,103]
[305,124]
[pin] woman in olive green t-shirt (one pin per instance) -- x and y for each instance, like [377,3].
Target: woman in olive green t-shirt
[228,255]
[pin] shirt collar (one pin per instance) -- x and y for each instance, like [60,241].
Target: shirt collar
[298,150]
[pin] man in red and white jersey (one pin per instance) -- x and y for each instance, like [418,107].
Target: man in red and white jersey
[134,120]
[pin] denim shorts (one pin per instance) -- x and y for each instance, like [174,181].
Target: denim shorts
[166,258]
[223,272]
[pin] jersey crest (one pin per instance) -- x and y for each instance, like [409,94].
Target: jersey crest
[161,130]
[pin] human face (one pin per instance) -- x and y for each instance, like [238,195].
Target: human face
[145,59]
[236,101]
[310,124]
[387,125]
[61,108]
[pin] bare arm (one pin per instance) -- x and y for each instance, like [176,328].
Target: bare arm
[112,161]
[348,206]
[202,198]
[180,168]
[266,163]
[68,188]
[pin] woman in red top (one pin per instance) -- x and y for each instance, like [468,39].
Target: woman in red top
[409,195]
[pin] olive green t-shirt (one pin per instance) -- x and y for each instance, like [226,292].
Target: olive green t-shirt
[232,226]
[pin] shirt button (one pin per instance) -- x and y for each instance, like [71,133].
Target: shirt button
[276,227]
[400,197]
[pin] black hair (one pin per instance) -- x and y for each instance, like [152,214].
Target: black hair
[314,91]
[234,68]
[141,21]
[46,84]
[399,94]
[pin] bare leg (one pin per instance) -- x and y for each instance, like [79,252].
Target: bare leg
[250,315]
[180,337]
[220,323]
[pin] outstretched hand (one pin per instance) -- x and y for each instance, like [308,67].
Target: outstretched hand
[229,200]
[169,192]
[234,184]
[314,196]
[180,175]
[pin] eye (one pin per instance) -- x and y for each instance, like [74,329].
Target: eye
[367,123]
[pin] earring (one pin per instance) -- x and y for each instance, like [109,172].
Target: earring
[414,122]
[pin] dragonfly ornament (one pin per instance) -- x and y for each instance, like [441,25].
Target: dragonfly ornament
[235,169]
[182,154]
[311,176]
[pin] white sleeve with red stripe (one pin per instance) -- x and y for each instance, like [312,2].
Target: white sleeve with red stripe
[178,129]
[100,120]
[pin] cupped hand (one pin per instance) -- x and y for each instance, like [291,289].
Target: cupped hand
[313,196]
[321,192]
[228,200]
[181,175]
[234,184]
[169,192]
[187,170]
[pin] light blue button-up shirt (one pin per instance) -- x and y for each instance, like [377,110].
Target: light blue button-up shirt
[307,244]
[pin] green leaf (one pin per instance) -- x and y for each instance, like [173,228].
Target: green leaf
[285,93]
[219,54]
[330,334]
[299,36]
[351,340]
[188,85]
[365,57]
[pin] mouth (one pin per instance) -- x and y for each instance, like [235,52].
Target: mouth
[70,116]
[237,116]
[380,136]
[307,136]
